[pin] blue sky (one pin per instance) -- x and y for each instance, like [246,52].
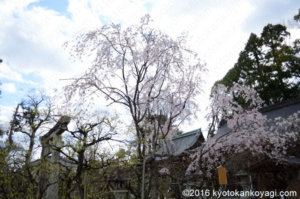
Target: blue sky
[33,32]
[60,6]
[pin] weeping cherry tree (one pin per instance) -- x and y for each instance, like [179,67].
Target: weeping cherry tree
[252,133]
[144,70]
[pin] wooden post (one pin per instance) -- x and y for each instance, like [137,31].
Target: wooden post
[85,186]
[143,178]
[222,175]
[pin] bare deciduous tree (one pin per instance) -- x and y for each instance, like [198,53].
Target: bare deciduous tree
[30,119]
[81,153]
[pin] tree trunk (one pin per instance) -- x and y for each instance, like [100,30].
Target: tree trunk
[154,180]
[81,189]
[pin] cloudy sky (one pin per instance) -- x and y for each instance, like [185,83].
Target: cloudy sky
[32,33]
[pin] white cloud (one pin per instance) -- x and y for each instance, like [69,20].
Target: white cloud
[31,38]
[31,42]
[119,11]
[270,11]
[7,73]
[214,31]
[5,115]
[9,87]
[9,7]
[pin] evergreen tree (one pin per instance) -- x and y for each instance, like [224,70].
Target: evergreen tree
[269,65]
[297,16]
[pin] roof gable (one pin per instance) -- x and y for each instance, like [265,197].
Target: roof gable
[181,143]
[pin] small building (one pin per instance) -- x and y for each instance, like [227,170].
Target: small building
[264,173]
[181,144]
[175,155]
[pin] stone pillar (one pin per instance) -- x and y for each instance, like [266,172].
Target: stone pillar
[50,158]
[56,142]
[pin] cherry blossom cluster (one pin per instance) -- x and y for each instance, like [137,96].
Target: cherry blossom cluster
[164,171]
[251,133]
[144,70]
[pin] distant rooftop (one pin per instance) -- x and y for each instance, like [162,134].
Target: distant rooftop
[283,109]
[187,134]
[181,143]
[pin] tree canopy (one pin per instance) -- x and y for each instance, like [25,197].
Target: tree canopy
[269,64]
[147,72]
[297,16]
[251,133]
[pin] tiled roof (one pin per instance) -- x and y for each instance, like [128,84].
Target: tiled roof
[181,143]
[283,109]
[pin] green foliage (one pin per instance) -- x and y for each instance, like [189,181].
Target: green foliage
[18,173]
[269,65]
[297,16]
[13,184]
[121,154]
